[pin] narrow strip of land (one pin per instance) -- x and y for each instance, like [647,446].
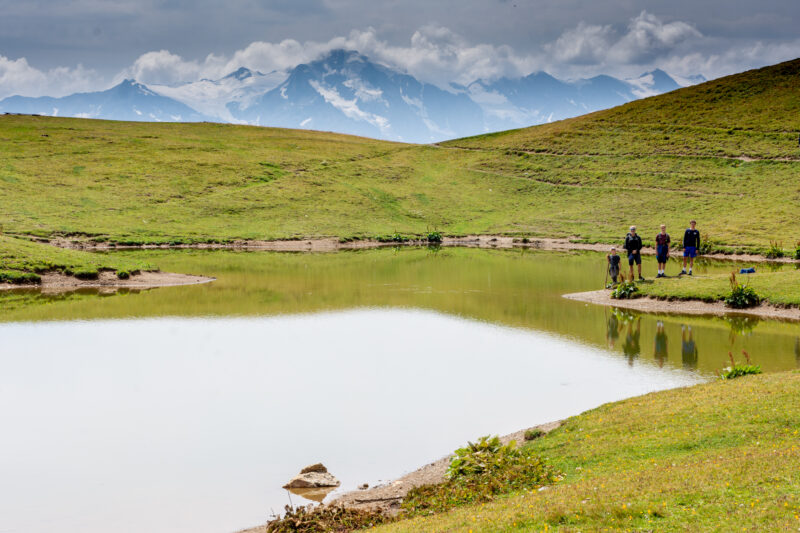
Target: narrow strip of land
[684,307]
[58,282]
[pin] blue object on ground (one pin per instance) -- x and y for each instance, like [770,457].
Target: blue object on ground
[750,270]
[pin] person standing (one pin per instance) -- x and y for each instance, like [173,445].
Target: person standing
[662,250]
[613,264]
[691,244]
[633,245]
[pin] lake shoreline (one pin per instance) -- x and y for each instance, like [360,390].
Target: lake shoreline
[333,244]
[387,497]
[684,307]
[59,282]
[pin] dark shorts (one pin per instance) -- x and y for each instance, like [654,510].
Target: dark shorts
[662,252]
[690,251]
[635,258]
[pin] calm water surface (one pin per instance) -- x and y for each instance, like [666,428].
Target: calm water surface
[185,409]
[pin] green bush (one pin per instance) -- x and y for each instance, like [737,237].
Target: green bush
[85,273]
[533,434]
[797,251]
[479,472]
[737,370]
[775,250]
[625,290]
[123,274]
[318,519]
[434,236]
[741,296]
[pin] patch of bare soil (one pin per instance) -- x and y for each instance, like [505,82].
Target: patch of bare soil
[683,307]
[331,244]
[56,282]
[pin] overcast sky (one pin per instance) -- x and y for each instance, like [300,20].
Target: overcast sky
[59,47]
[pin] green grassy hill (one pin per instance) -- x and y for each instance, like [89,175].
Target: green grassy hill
[662,159]
[722,456]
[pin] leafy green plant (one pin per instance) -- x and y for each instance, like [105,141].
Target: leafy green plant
[479,472]
[708,245]
[741,296]
[319,519]
[123,274]
[434,237]
[797,251]
[775,250]
[534,433]
[737,370]
[625,289]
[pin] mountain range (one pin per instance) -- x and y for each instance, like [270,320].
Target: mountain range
[345,92]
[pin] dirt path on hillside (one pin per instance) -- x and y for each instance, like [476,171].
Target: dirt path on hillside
[332,244]
[56,282]
[684,307]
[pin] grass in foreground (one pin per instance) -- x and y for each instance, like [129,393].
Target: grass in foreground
[21,261]
[723,456]
[777,288]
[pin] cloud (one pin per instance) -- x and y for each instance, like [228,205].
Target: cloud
[18,77]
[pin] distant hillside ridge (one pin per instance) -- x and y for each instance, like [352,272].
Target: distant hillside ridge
[755,114]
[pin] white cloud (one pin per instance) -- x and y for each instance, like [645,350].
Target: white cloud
[18,77]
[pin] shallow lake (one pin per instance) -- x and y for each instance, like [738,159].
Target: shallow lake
[186,408]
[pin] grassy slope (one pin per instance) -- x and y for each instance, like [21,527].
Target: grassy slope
[649,161]
[778,288]
[18,256]
[724,456]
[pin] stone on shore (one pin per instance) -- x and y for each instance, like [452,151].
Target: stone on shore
[312,477]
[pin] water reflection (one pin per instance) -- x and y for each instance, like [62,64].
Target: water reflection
[660,344]
[632,347]
[689,354]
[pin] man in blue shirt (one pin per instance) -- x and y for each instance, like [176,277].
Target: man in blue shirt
[691,244]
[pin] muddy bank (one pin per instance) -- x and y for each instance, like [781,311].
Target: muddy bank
[683,307]
[332,244]
[56,282]
[387,497]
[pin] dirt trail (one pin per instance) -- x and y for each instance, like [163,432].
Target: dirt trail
[683,307]
[55,282]
[332,244]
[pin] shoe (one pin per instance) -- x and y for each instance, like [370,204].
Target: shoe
[690,272]
[683,271]
[641,278]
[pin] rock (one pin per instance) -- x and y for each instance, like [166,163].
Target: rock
[364,486]
[312,480]
[318,467]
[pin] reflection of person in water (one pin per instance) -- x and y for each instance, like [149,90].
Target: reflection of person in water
[688,348]
[612,333]
[660,349]
[797,351]
[631,348]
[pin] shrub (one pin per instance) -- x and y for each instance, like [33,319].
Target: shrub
[625,289]
[797,251]
[317,519]
[434,236]
[86,274]
[533,434]
[478,473]
[741,296]
[708,245]
[775,250]
[737,370]
[123,274]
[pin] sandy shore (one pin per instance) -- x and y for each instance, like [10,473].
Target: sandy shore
[332,244]
[683,307]
[387,497]
[56,282]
